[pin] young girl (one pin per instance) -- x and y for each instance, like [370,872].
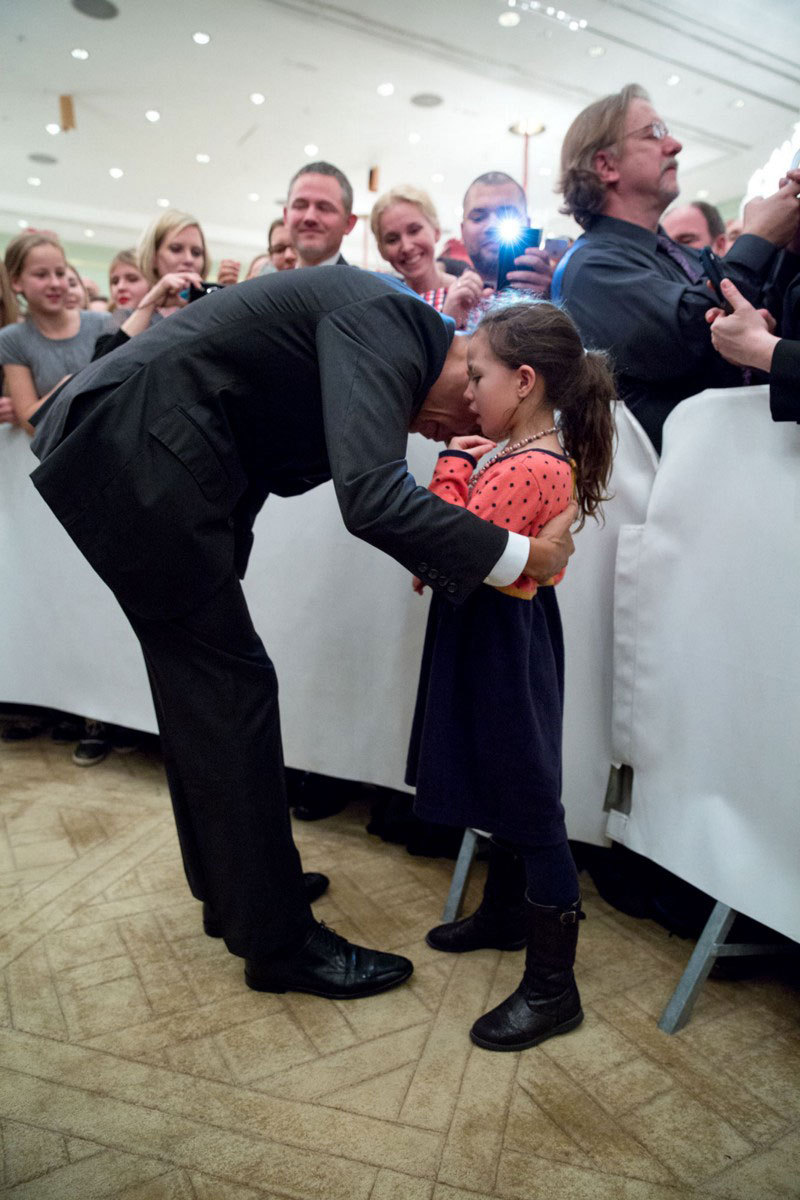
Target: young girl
[53,341]
[486,739]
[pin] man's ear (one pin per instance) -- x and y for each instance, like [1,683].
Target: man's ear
[351,221]
[606,164]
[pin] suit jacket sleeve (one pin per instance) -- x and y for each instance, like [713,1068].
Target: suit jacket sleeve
[784,381]
[377,361]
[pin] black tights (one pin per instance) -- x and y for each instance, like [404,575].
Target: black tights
[551,877]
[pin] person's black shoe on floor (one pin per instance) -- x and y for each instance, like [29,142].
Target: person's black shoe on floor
[328,965]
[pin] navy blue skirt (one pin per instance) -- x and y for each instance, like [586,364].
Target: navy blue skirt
[485,745]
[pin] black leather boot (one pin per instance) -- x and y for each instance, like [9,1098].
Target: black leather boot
[546,1001]
[499,921]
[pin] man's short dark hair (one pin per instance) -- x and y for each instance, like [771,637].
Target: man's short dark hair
[326,168]
[716,225]
[492,179]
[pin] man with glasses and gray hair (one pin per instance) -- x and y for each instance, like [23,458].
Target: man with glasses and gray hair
[629,288]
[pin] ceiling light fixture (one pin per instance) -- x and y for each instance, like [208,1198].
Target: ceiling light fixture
[414,139]
[79,53]
[311,149]
[509,19]
[23,224]
[162,202]
[437,177]
[202,39]
[253,196]
[703,194]
[596,51]
[53,129]
[101,10]
[116,172]
[153,115]
[34,181]
[257,97]
[673,80]
[203,158]
[738,103]
[88,233]
[426,100]
[385,89]
[534,7]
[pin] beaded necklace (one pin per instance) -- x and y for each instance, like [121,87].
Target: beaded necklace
[509,450]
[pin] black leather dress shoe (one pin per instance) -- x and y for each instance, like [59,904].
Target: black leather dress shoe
[330,966]
[316,885]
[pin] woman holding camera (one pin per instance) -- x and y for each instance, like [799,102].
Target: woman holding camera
[406,228]
[172,257]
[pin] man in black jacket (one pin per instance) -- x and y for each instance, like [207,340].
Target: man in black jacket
[157,459]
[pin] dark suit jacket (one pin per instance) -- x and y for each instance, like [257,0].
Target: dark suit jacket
[157,458]
[784,381]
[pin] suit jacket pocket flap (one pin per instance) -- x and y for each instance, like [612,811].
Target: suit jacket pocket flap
[203,451]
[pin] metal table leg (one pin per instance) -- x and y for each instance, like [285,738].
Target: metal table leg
[458,884]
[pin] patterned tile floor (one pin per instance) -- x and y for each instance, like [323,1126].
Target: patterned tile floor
[135,1064]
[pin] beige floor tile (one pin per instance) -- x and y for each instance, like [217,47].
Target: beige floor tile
[391,1185]
[523,1177]
[680,1130]
[528,1128]
[29,1152]
[107,1173]
[772,1174]
[206,1188]
[475,1137]
[594,1050]
[32,995]
[622,1088]
[175,1185]
[382,1096]
[771,1070]
[258,1049]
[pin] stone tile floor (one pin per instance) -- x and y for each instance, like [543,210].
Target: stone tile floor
[135,1064]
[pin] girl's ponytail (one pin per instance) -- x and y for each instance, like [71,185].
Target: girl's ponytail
[586,422]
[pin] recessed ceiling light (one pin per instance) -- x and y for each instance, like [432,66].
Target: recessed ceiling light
[561,15]
[596,51]
[385,89]
[23,224]
[102,10]
[162,202]
[257,97]
[88,233]
[202,39]
[53,129]
[203,158]
[34,181]
[153,115]
[426,99]
[44,159]
[79,53]
[311,149]
[582,24]
[414,139]
[703,194]
[509,19]
[527,127]
[116,172]
[673,80]
[574,26]
[253,196]
[437,177]
[738,103]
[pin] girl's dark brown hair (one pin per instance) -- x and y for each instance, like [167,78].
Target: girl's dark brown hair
[579,383]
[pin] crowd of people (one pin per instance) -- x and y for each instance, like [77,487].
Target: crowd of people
[525,407]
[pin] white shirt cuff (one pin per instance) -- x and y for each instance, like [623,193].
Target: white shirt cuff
[511,562]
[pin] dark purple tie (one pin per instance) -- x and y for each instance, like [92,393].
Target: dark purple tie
[692,273]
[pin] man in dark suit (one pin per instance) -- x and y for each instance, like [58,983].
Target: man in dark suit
[157,458]
[319,214]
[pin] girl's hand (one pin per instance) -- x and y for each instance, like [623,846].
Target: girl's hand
[418,585]
[473,443]
[166,292]
[462,296]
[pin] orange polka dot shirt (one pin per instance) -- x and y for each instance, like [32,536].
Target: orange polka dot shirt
[519,492]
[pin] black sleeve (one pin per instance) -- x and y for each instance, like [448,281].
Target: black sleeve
[374,361]
[108,342]
[784,382]
[655,327]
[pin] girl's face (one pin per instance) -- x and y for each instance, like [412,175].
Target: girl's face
[408,240]
[126,286]
[181,252]
[493,389]
[43,280]
[75,295]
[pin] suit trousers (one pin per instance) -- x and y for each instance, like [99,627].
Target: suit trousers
[216,699]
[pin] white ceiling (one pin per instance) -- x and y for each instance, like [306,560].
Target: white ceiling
[319,65]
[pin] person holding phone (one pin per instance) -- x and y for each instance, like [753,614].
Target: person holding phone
[491,200]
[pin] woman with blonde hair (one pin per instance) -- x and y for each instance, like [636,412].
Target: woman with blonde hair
[126,283]
[406,227]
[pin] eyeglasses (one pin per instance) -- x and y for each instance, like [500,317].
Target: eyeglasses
[654,129]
